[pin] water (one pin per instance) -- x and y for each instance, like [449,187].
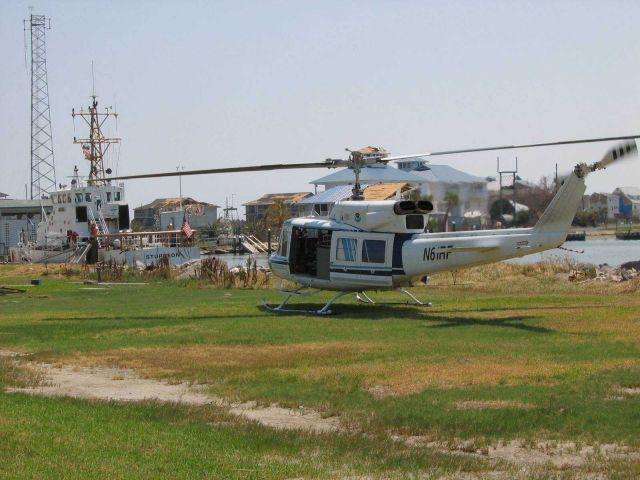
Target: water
[597,251]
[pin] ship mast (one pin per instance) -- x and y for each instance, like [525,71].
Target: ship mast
[96,146]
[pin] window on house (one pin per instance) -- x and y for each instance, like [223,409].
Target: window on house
[346,249]
[373,251]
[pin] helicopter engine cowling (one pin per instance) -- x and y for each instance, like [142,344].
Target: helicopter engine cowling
[405,207]
[381,216]
[424,206]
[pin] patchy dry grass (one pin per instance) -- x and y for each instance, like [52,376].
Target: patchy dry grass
[186,362]
[16,374]
[509,353]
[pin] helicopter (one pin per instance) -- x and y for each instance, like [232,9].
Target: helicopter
[364,246]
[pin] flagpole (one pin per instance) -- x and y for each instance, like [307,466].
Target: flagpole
[178,168]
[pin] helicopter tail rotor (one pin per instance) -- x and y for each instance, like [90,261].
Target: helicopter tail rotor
[623,151]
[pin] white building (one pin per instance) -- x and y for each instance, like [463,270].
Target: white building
[442,179]
[613,206]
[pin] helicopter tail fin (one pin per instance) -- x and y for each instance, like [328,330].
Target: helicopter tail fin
[558,216]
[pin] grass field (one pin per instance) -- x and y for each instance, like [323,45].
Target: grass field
[507,353]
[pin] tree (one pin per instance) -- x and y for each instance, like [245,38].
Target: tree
[452,200]
[275,215]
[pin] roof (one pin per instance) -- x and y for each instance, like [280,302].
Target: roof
[330,195]
[370,174]
[446,174]
[628,191]
[493,183]
[172,202]
[24,204]
[287,198]
[381,191]
[372,151]
[384,191]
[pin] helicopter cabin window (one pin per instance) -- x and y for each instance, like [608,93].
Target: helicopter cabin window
[78,198]
[346,249]
[373,251]
[87,197]
[108,197]
[415,222]
[116,196]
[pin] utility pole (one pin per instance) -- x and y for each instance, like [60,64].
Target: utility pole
[514,176]
[43,172]
[180,168]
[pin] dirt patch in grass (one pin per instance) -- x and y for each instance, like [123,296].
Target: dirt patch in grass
[101,383]
[627,391]
[557,454]
[491,405]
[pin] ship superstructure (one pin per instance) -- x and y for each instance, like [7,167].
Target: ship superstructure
[90,219]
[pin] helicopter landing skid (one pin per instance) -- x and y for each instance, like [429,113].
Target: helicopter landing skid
[289,293]
[364,298]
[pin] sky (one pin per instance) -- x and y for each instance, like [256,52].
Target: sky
[231,83]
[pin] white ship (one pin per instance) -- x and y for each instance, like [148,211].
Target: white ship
[89,222]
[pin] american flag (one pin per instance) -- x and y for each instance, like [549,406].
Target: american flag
[87,151]
[186,228]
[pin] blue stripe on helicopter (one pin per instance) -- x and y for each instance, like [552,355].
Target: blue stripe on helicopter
[363,271]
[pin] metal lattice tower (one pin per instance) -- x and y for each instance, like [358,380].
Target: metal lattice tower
[43,172]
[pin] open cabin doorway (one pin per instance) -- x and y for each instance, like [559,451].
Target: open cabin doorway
[310,252]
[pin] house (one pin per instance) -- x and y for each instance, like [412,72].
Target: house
[148,217]
[629,201]
[199,216]
[255,210]
[440,180]
[320,204]
[18,221]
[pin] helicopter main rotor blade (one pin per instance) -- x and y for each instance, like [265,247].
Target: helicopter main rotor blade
[254,168]
[510,147]
[334,163]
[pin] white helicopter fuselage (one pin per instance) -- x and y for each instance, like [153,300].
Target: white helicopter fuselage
[367,245]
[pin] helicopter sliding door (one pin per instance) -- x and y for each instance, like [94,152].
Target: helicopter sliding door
[361,258]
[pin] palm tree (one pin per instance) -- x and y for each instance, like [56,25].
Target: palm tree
[275,215]
[452,200]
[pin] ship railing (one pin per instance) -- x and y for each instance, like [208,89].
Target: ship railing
[135,240]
